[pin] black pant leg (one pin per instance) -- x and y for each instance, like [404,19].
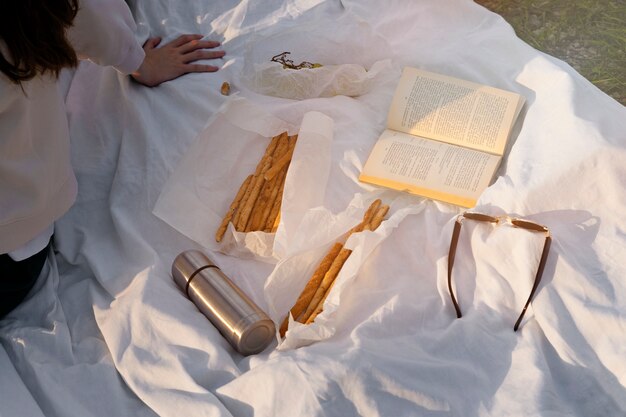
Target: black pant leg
[17,278]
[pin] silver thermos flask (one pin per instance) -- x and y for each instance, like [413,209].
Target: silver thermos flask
[246,327]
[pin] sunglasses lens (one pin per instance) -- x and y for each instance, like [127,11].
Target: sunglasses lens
[480,217]
[528,225]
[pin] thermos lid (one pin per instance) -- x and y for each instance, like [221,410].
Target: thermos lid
[186,265]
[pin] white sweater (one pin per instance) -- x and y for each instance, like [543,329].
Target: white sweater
[37,184]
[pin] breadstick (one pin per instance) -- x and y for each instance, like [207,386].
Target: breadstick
[244,200]
[378,218]
[276,146]
[269,151]
[273,219]
[369,213]
[318,309]
[274,212]
[282,147]
[255,189]
[284,160]
[278,165]
[271,147]
[231,210]
[262,205]
[276,223]
[276,178]
[309,290]
[367,217]
[269,193]
[320,306]
[327,281]
[257,206]
[317,302]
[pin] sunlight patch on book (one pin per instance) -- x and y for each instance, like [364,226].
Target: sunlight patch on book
[445,137]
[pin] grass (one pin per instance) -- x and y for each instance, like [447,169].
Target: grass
[590,35]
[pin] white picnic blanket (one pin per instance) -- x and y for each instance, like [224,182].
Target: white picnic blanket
[109,333]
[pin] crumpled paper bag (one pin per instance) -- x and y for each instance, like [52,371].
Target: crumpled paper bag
[200,190]
[323,229]
[354,60]
[270,78]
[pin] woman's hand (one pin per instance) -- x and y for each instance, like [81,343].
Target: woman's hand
[175,58]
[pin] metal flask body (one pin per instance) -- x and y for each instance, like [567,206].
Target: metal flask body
[246,327]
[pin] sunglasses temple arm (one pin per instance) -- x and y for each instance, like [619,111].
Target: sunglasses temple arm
[542,265]
[453,245]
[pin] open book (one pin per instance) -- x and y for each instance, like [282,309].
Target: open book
[445,137]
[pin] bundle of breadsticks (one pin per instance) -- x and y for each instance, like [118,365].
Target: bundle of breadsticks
[256,206]
[311,300]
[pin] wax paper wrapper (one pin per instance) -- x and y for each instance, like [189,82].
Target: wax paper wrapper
[270,78]
[291,274]
[354,59]
[199,192]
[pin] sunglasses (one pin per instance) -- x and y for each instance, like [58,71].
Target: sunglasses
[498,220]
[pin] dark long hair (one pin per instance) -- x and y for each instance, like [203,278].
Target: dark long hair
[34,34]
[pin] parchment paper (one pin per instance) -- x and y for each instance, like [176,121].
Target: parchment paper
[200,190]
[322,230]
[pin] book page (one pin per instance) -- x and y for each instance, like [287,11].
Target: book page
[429,168]
[453,110]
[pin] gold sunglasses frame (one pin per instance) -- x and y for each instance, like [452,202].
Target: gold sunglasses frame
[497,220]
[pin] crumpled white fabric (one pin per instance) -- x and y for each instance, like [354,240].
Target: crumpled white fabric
[114,335]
